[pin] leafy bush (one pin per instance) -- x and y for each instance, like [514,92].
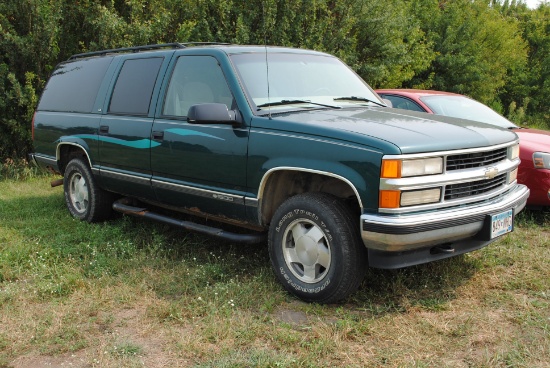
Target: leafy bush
[19,169]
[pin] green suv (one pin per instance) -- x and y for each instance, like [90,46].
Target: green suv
[289,144]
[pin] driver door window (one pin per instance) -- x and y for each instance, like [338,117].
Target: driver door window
[196,80]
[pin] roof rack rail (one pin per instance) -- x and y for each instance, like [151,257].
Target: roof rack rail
[174,45]
[203,43]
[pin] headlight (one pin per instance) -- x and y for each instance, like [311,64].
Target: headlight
[406,168]
[541,160]
[513,152]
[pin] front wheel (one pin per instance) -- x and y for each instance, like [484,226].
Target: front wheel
[85,200]
[315,248]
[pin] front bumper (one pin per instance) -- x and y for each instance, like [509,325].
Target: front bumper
[454,228]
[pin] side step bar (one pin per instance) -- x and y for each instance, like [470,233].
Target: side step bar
[122,207]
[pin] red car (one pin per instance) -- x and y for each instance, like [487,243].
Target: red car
[534,170]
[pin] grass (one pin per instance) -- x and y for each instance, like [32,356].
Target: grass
[132,293]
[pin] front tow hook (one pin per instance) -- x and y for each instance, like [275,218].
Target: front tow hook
[442,249]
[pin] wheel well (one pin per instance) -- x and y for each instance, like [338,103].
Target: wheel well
[67,152]
[284,184]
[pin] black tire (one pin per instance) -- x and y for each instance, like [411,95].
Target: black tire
[85,200]
[315,248]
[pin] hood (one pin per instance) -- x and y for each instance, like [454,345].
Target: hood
[407,131]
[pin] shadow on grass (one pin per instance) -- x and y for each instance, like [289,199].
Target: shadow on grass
[430,286]
[188,265]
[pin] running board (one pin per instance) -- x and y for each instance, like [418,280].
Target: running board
[121,207]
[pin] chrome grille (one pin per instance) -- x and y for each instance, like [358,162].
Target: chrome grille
[475,159]
[454,191]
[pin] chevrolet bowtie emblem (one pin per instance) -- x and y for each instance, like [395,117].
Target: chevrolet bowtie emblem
[491,172]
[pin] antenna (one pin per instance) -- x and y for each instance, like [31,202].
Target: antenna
[266,62]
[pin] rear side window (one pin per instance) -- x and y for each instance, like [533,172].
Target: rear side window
[134,86]
[73,86]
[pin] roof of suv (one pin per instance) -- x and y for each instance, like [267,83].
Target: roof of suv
[229,48]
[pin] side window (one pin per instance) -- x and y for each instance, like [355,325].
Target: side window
[134,86]
[196,80]
[403,103]
[73,86]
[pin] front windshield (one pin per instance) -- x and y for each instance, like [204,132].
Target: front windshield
[465,108]
[298,78]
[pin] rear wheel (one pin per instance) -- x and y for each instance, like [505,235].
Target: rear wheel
[85,200]
[315,248]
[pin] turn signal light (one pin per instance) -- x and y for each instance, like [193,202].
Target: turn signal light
[391,169]
[389,198]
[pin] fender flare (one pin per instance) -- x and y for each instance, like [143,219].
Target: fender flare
[74,142]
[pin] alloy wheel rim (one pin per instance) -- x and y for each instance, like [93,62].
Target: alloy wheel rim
[306,251]
[78,193]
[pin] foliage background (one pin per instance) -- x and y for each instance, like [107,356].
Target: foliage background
[496,51]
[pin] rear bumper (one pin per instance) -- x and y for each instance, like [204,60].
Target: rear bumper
[457,229]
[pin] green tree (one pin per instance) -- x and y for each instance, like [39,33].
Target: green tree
[530,85]
[495,51]
[28,46]
[476,48]
[391,45]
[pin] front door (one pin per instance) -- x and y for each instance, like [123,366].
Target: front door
[201,167]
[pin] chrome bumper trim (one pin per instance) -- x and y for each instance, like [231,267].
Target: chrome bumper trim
[406,232]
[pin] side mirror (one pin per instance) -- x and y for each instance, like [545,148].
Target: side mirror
[387,102]
[213,113]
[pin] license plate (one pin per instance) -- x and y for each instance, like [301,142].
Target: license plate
[502,223]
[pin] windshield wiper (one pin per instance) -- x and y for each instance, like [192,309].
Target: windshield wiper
[355,98]
[293,102]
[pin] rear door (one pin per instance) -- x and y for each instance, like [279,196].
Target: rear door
[125,128]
